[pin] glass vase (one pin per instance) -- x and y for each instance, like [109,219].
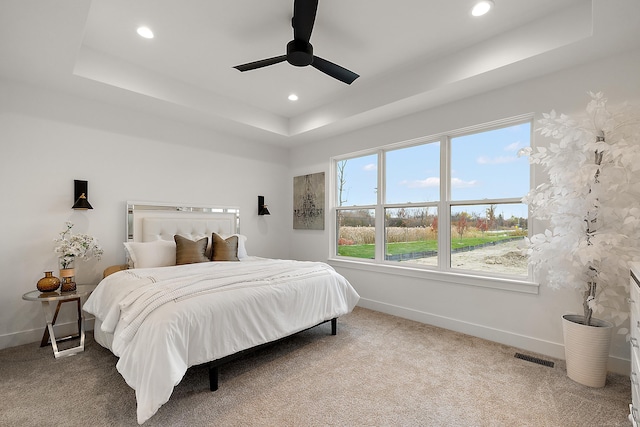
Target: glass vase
[67,267]
[48,283]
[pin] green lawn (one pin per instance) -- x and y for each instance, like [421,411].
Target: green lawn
[367,251]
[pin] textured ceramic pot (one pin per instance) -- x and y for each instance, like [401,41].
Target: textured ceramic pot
[586,349]
[48,283]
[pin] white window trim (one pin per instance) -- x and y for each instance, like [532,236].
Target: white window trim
[452,276]
[443,272]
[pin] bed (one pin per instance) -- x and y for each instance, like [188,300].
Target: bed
[161,315]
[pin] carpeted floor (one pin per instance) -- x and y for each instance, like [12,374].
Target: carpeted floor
[379,370]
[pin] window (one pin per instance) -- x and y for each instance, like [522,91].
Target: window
[450,203]
[357,185]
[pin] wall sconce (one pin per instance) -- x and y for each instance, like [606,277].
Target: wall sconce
[262,208]
[80,195]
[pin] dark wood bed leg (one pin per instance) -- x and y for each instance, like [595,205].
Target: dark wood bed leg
[334,326]
[213,377]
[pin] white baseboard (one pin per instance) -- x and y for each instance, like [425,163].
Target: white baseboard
[35,335]
[547,348]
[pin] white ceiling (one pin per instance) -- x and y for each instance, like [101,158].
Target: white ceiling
[410,54]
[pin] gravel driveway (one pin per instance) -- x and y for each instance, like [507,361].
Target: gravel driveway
[503,258]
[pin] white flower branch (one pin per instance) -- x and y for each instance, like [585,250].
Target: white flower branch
[72,246]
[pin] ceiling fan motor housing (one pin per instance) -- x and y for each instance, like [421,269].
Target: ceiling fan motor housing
[299,53]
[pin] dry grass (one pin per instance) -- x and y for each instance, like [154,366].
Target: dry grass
[412,234]
[357,236]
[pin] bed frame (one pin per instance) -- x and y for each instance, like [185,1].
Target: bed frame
[161,221]
[214,366]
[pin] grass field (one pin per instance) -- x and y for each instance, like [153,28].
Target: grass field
[368,250]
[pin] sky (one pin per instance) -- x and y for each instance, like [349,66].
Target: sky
[483,165]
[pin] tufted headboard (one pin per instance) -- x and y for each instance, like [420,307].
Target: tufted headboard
[161,221]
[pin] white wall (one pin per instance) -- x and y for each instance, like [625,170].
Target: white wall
[49,139]
[531,322]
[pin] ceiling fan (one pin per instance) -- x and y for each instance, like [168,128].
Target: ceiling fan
[299,50]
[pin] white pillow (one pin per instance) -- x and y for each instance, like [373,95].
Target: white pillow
[242,249]
[159,253]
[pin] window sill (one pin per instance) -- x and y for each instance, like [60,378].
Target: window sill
[502,283]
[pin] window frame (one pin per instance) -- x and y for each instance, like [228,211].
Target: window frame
[443,271]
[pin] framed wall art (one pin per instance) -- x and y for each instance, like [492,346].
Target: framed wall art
[308,202]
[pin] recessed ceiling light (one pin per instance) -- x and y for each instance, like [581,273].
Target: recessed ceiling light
[145,32]
[293,97]
[482,7]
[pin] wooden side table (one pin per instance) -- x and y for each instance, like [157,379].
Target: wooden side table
[45,298]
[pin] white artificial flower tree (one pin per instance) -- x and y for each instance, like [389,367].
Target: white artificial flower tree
[591,203]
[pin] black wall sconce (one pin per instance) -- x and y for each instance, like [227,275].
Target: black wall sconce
[262,208]
[80,193]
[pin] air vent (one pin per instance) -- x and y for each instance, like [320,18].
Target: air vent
[534,360]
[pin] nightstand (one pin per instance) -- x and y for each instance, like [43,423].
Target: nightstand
[45,298]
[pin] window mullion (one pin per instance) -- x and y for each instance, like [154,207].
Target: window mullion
[380,230]
[444,209]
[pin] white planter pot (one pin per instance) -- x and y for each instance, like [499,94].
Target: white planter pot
[586,349]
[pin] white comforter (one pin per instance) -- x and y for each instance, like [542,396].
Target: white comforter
[165,319]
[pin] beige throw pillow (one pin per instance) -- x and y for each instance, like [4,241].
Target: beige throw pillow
[224,249]
[190,252]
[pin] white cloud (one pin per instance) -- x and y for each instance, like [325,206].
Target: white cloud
[459,183]
[370,167]
[485,160]
[433,181]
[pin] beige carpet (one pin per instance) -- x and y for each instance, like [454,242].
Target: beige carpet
[379,370]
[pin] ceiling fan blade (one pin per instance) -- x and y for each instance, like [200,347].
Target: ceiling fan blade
[334,70]
[262,63]
[304,15]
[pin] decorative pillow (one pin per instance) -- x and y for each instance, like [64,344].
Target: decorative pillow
[159,253]
[224,249]
[242,249]
[189,251]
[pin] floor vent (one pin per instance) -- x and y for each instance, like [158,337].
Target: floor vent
[534,360]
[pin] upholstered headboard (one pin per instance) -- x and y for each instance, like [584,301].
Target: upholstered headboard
[159,221]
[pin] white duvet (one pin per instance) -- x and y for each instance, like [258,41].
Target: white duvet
[164,320]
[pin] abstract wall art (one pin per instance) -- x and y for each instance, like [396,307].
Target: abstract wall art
[308,202]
